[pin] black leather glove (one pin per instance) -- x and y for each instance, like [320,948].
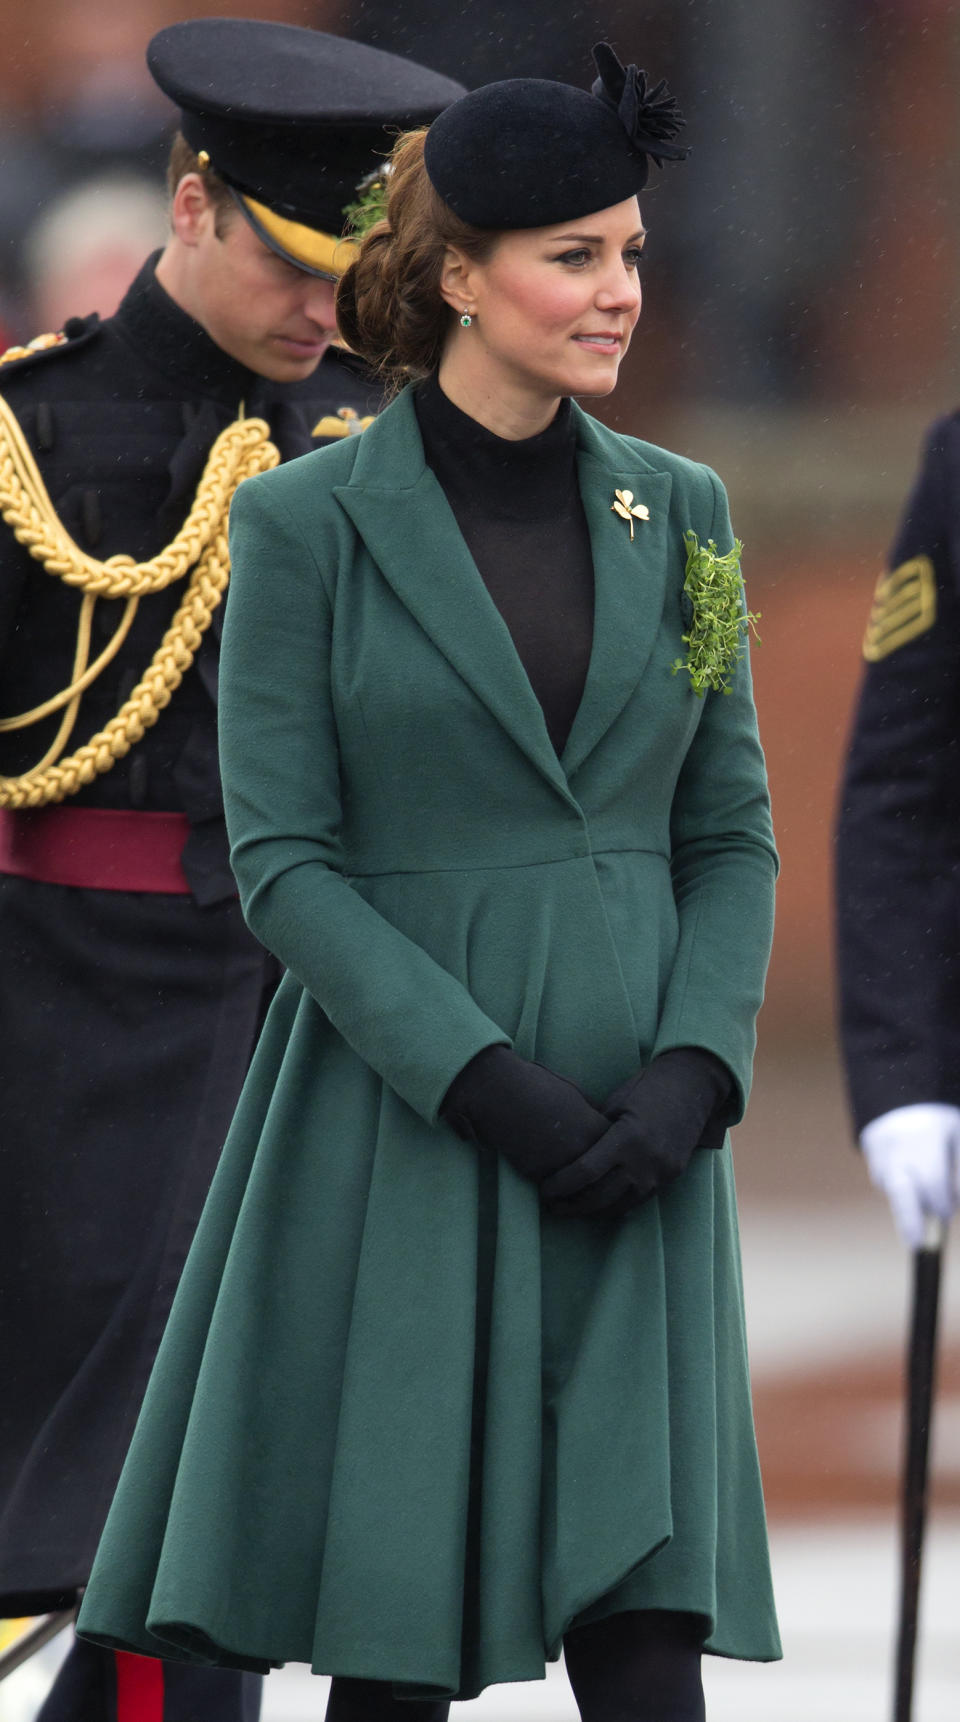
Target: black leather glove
[538,1120]
[659,1117]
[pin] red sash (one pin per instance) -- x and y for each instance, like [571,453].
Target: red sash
[95,848]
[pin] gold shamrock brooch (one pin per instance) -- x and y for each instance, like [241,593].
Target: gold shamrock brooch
[624,506]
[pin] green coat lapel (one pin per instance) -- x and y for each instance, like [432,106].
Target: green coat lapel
[406,523]
[630,581]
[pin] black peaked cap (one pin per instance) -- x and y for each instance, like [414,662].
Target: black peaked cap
[292,117]
[529,152]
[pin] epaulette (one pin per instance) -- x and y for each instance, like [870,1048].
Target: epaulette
[76,332]
[346,421]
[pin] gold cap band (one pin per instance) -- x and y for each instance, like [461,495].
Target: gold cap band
[306,247]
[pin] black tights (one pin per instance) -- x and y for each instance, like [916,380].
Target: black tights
[637,1667]
[373,1701]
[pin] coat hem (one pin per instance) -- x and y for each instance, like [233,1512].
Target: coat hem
[604,1588]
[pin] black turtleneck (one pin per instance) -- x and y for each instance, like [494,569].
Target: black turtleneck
[518,507]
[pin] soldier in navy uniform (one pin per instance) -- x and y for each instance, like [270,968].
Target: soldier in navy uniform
[898,876]
[130,989]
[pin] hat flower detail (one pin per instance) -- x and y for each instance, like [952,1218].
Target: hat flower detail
[719,620]
[623,504]
[651,118]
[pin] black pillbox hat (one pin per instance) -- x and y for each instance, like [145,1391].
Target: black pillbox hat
[292,119]
[529,152]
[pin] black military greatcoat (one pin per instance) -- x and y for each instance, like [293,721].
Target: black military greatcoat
[898,875]
[128,1019]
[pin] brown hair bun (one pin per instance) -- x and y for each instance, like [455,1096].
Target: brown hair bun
[389,306]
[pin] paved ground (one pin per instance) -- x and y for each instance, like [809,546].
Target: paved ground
[826,1298]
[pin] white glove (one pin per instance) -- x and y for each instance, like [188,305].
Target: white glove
[913,1154]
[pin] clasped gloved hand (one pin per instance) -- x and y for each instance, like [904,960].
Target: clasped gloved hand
[538,1120]
[660,1116]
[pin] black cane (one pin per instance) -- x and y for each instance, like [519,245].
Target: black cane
[921,1373]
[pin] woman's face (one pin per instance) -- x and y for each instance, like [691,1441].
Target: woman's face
[553,307]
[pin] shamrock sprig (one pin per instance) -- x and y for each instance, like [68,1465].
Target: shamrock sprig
[717,637]
[370,204]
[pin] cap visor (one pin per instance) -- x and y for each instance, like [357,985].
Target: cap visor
[307,248]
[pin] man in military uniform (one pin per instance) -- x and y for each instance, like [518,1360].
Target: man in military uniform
[130,990]
[898,879]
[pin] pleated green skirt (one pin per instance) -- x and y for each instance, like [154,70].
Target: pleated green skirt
[406,1426]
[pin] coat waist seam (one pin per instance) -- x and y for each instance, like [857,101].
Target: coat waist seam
[352,872]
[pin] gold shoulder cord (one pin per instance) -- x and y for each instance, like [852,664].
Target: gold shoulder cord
[241,450]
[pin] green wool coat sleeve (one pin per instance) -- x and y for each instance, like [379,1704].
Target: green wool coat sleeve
[405,1015]
[723,864]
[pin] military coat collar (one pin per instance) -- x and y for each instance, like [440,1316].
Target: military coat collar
[403,517]
[168,337]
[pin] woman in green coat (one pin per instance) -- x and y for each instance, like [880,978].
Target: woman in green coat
[456,1374]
